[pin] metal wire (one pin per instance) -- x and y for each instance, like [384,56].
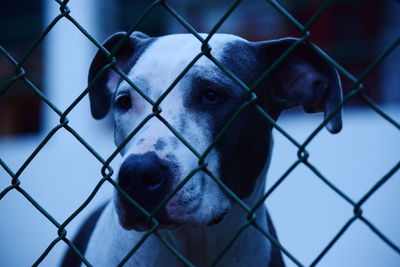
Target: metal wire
[206,51]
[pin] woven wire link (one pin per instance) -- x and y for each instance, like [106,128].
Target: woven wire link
[206,51]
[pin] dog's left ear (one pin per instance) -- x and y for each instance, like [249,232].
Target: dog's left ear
[303,78]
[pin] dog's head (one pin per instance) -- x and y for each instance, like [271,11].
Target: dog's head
[200,104]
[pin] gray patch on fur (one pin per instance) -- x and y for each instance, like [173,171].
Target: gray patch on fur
[160,144]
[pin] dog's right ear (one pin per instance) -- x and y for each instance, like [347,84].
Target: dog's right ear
[101,91]
[303,78]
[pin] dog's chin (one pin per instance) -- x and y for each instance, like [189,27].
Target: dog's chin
[142,224]
[194,222]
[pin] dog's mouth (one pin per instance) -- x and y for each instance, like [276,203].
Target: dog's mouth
[192,206]
[131,218]
[216,220]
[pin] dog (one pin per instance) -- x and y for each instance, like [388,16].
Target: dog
[201,218]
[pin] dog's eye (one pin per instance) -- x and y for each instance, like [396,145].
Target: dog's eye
[123,101]
[211,97]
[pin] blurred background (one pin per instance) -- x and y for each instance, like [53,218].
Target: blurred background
[306,212]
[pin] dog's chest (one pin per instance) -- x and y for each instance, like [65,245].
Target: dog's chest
[199,246]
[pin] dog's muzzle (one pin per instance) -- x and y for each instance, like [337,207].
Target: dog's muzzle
[147,179]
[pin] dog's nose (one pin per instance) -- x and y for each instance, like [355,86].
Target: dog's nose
[147,179]
[144,174]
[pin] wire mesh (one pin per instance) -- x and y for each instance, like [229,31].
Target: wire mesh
[206,51]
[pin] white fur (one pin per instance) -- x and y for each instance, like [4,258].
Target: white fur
[154,71]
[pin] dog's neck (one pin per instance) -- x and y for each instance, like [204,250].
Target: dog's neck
[203,245]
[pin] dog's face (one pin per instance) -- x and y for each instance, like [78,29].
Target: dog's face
[156,161]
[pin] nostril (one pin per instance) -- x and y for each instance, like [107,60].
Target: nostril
[151,181]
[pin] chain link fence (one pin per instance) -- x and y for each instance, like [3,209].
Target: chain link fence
[16,185]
